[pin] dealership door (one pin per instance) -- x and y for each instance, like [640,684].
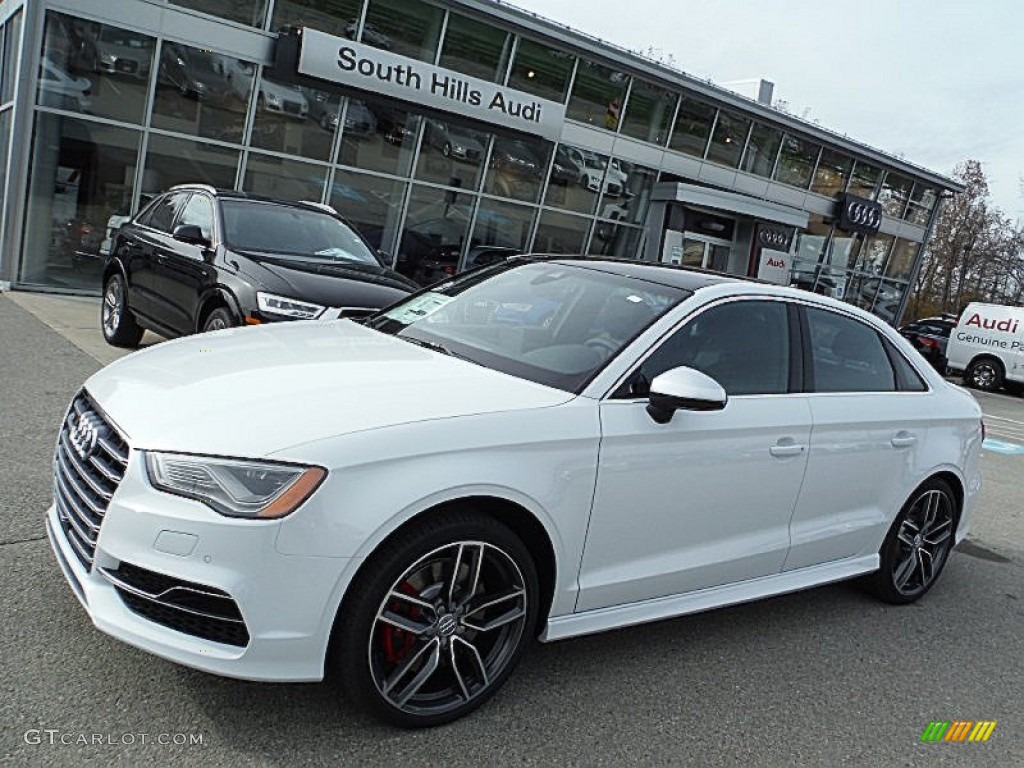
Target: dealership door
[705,253]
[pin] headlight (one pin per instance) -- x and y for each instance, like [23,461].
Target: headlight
[282,305]
[274,99]
[254,489]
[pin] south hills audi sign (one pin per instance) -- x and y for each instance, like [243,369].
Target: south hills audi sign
[858,214]
[384,73]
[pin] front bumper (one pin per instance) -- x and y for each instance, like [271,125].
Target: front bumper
[287,602]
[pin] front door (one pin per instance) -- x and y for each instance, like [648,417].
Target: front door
[181,271]
[706,499]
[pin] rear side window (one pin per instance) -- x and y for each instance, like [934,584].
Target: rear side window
[907,379]
[847,355]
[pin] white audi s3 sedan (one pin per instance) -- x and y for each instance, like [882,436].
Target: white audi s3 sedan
[541,448]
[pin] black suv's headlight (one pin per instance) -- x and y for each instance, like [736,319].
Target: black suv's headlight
[282,305]
[235,487]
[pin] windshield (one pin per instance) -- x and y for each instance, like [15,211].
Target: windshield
[549,322]
[284,230]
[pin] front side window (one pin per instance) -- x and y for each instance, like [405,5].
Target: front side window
[743,345]
[847,355]
[551,323]
[160,215]
[199,213]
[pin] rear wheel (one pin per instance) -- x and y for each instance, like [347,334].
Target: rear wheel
[918,545]
[437,619]
[985,374]
[117,321]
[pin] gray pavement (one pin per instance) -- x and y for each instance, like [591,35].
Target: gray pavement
[824,677]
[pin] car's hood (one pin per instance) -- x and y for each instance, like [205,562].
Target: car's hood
[330,284]
[255,391]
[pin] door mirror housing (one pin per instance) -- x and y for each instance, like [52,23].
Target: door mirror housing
[687,389]
[190,233]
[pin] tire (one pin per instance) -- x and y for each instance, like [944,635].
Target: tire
[387,644]
[218,320]
[917,546]
[985,373]
[116,320]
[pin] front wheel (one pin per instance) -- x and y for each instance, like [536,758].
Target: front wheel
[985,374]
[118,323]
[917,546]
[218,320]
[437,619]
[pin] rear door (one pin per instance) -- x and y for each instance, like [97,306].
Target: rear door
[871,413]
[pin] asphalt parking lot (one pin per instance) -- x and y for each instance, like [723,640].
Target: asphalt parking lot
[824,677]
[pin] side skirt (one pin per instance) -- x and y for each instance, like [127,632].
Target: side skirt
[601,619]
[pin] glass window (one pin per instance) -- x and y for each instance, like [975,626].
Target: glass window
[887,299]
[250,12]
[895,192]
[908,379]
[541,70]
[864,181]
[80,180]
[372,204]
[560,233]
[649,112]
[597,95]
[198,212]
[728,139]
[335,17]
[436,227]
[181,161]
[379,137]
[94,68]
[796,161]
[743,345]
[406,27]
[636,183]
[874,253]
[901,261]
[833,171]
[860,290]
[810,263]
[160,215]
[517,168]
[299,121]
[11,54]
[762,149]
[5,143]
[284,179]
[452,153]
[202,93]
[922,202]
[693,126]
[614,240]
[501,225]
[582,195]
[475,47]
[847,355]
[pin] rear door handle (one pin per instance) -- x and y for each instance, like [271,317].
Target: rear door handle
[903,440]
[783,450]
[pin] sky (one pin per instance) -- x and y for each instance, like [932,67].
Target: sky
[933,81]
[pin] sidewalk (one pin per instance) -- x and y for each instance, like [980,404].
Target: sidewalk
[77,319]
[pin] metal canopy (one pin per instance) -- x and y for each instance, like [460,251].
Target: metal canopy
[730,202]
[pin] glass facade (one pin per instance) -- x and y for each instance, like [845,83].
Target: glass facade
[120,114]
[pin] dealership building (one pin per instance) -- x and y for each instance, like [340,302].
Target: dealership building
[450,132]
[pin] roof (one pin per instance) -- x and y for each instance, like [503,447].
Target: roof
[687,278]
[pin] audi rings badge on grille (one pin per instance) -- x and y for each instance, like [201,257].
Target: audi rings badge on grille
[84,435]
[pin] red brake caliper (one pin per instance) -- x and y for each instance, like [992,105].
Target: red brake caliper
[398,642]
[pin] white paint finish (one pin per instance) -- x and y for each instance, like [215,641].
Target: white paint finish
[670,514]
[253,391]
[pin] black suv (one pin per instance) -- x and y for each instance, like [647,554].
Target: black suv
[930,336]
[200,259]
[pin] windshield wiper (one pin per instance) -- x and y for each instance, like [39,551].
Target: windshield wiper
[435,347]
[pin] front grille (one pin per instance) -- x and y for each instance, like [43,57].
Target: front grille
[185,606]
[88,464]
[293,107]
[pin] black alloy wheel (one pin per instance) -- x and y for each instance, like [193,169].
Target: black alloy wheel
[118,323]
[218,320]
[437,620]
[985,374]
[918,545]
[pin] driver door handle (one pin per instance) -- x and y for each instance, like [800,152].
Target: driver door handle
[903,440]
[786,448]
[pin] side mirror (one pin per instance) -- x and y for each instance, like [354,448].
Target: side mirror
[190,233]
[684,388]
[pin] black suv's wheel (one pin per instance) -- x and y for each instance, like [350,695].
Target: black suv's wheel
[985,374]
[918,545]
[437,619]
[116,319]
[219,319]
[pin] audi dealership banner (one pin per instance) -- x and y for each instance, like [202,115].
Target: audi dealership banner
[381,72]
[858,214]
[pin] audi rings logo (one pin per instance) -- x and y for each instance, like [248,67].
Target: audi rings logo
[84,436]
[860,215]
[775,239]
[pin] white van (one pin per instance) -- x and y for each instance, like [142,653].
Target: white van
[987,346]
